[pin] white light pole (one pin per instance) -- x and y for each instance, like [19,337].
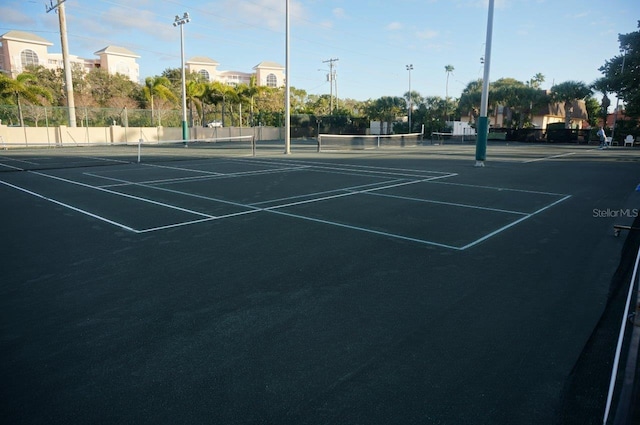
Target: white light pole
[483,119]
[180,22]
[409,68]
[287,88]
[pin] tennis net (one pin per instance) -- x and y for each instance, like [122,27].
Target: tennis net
[44,157]
[330,142]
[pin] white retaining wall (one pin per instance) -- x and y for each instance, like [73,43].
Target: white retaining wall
[14,137]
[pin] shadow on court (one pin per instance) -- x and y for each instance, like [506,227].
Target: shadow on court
[407,288]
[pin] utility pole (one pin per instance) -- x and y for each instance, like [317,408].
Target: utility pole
[68,81]
[331,78]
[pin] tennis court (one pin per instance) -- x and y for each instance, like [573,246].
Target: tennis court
[398,285]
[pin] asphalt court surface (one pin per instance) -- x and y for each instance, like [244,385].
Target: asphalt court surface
[389,201]
[402,287]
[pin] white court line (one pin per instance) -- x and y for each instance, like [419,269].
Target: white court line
[213,176]
[124,195]
[506,189]
[403,172]
[12,167]
[452,204]
[366,230]
[169,226]
[503,228]
[71,207]
[178,192]
[276,209]
[96,158]
[324,192]
[341,195]
[549,157]
[19,160]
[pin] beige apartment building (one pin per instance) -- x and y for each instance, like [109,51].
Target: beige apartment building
[19,49]
[270,74]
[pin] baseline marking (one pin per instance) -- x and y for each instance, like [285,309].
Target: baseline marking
[71,207]
[364,229]
[503,228]
[549,157]
[113,192]
[451,204]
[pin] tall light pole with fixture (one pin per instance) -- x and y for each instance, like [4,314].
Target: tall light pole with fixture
[180,21]
[409,68]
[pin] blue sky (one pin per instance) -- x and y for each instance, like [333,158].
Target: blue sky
[373,40]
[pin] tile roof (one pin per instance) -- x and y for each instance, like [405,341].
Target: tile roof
[25,36]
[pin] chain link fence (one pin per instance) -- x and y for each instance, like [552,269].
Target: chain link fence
[54,116]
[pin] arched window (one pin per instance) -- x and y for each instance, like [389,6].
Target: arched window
[29,57]
[272,80]
[204,74]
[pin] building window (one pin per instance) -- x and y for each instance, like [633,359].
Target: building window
[28,57]
[204,74]
[272,81]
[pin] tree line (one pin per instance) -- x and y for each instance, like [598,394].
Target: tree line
[250,104]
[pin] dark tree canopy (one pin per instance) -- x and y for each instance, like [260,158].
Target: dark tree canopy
[626,84]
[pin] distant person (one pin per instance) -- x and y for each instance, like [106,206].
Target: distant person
[603,138]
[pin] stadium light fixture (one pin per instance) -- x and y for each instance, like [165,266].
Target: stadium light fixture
[181,21]
[409,68]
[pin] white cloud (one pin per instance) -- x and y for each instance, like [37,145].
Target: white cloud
[13,16]
[121,21]
[426,34]
[339,13]
[262,13]
[395,26]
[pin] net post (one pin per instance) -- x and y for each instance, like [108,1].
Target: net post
[378,139]
[139,148]
[319,141]
[253,145]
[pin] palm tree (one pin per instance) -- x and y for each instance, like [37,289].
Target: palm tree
[536,81]
[157,86]
[603,86]
[23,87]
[251,91]
[194,92]
[449,70]
[470,99]
[413,99]
[568,92]
[387,109]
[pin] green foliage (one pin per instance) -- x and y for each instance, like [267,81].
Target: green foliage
[625,82]
[567,93]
